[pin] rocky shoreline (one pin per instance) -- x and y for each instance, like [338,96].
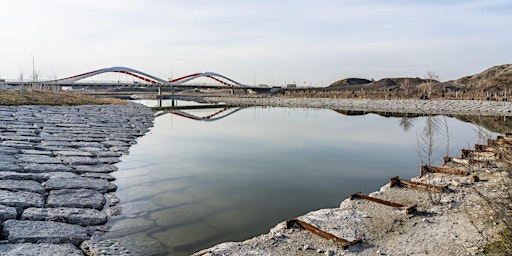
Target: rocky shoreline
[436,107]
[56,192]
[55,187]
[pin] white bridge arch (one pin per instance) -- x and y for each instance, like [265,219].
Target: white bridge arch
[150,78]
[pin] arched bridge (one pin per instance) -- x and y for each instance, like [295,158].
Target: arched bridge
[149,79]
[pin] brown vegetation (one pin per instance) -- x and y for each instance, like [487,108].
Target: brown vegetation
[492,84]
[51,98]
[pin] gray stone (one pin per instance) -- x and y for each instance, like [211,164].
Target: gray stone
[88,144]
[17,231]
[112,199]
[18,144]
[41,168]
[79,160]
[108,160]
[21,200]
[57,143]
[9,150]
[22,185]
[40,177]
[7,213]
[76,198]
[97,175]
[36,152]
[72,153]
[101,185]
[142,244]
[114,211]
[40,249]
[7,158]
[10,167]
[35,139]
[116,143]
[107,154]
[102,168]
[104,247]
[39,159]
[79,216]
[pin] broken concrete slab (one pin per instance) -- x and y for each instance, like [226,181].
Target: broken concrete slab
[10,167]
[78,160]
[42,168]
[55,183]
[43,232]
[72,153]
[101,168]
[79,216]
[22,185]
[76,198]
[39,159]
[40,177]
[97,175]
[41,249]
[103,247]
[7,213]
[21,200]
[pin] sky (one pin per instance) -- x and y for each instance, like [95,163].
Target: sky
[313,43]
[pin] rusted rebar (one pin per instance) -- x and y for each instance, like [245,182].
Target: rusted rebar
[344,243]
[395,181]
[427,168]
[408,209]
[477,155]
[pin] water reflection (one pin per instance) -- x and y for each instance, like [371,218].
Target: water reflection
[188,185]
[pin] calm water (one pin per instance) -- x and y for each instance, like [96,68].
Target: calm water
[188,184]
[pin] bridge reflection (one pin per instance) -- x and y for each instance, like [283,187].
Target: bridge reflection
[215,111]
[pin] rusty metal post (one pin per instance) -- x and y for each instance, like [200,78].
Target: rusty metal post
[408,209]
[344,243]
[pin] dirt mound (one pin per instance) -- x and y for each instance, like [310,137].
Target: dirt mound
[497,77]
[350,81]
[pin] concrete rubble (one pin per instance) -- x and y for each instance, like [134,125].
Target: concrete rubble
[54,176]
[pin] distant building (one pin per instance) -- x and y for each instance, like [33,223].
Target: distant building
[291,86]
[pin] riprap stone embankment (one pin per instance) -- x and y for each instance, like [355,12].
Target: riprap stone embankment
[55,186]
[441,107]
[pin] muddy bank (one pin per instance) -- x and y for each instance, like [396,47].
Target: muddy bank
[56,192]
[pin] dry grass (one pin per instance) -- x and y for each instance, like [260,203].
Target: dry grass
[52,98]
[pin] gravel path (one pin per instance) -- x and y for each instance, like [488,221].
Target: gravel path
[55,186]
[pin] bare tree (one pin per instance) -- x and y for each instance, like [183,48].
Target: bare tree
[406,87]
[406,123]
[432,79]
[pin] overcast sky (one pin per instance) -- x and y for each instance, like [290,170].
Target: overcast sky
[258,41]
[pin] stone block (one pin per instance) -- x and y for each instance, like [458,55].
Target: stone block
[79,216]
[102,168]
[43,168]
[76,198]
[41,249]
[78,182]
[22,185]
[17,231]
[7,213]
[21,200]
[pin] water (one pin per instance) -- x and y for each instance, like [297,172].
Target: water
[188,185]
